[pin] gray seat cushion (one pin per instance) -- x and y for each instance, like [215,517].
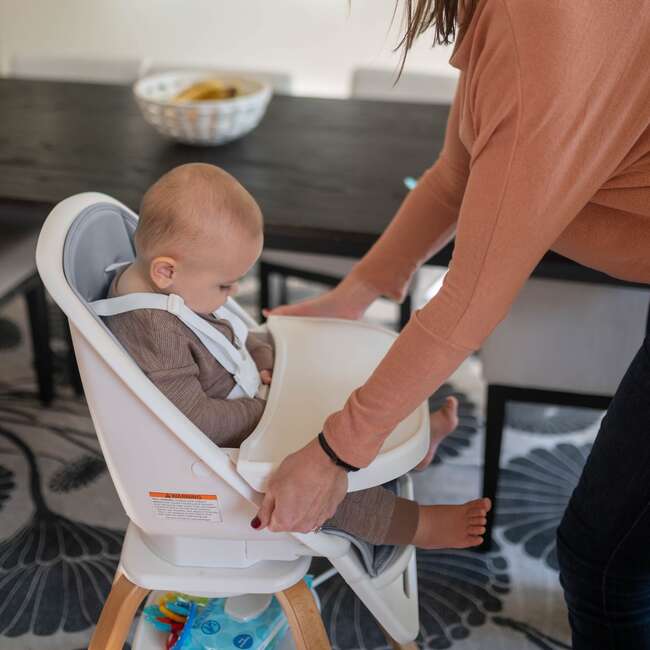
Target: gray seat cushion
[101,235]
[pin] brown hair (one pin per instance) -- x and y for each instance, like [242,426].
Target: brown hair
[443,15]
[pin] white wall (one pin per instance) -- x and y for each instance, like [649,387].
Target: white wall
[318,42]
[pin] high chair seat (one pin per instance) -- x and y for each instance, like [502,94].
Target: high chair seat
[147,569]
[190,503]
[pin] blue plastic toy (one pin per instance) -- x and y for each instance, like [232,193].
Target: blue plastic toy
[211,628]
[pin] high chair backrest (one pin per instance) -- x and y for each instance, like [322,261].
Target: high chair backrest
[171,479]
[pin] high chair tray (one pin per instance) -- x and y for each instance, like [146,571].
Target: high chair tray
[318,363]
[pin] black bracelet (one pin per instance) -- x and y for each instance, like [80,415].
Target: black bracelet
[332,454]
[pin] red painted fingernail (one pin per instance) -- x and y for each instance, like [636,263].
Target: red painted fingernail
[256,523]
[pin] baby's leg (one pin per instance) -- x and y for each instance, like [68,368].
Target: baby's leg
[442,422]
[379,517]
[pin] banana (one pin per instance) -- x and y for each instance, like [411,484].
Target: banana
[209,89]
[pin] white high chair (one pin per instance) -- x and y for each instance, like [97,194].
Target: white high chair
[190,502]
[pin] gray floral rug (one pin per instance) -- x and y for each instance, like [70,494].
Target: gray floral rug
[61,523]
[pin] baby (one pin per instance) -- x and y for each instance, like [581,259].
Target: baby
[199,233]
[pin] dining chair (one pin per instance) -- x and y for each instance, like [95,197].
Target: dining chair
[413,87]
[562,343]
[18,276]
[113,70]
[90,69]
[279,265]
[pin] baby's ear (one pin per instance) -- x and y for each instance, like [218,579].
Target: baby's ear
[161,271]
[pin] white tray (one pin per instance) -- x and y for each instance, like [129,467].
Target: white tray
[312,377]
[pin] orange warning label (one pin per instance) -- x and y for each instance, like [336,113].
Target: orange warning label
[182,495]
[186,506]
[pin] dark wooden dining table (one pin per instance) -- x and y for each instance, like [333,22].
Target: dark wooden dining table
[327,173]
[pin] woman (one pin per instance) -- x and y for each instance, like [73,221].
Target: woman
[547,147]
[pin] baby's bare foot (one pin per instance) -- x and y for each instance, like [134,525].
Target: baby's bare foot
[452,526]
[443,422]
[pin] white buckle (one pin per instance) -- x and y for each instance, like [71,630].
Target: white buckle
[174,304]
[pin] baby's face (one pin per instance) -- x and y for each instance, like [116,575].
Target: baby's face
[210,274]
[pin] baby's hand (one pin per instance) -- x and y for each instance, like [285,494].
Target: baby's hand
[265,376]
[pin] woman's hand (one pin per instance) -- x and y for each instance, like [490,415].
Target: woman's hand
[303,492]
[349,299]
[266,376]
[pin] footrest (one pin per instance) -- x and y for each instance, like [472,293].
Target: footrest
[391,596]
[376,558]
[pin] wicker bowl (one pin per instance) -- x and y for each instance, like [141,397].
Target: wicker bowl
[204,122]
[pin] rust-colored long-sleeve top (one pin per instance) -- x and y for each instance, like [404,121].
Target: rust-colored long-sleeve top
[547,147]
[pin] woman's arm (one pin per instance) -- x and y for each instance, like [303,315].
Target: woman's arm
[540,152]
[548,129]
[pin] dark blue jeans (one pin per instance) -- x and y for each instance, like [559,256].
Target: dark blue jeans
[604,537]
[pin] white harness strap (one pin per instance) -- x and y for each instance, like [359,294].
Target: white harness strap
[238,362]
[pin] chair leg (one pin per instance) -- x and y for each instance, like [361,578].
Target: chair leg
[495,420]
[265,288]
[283,293]
[405,311]
[71,359]
[304,618]
[117,614]
[395,645]
[39,325]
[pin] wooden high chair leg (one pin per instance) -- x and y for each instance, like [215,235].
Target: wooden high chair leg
[117,614]
[304,618]
[399,646]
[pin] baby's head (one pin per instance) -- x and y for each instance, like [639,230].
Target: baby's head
[199,232]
